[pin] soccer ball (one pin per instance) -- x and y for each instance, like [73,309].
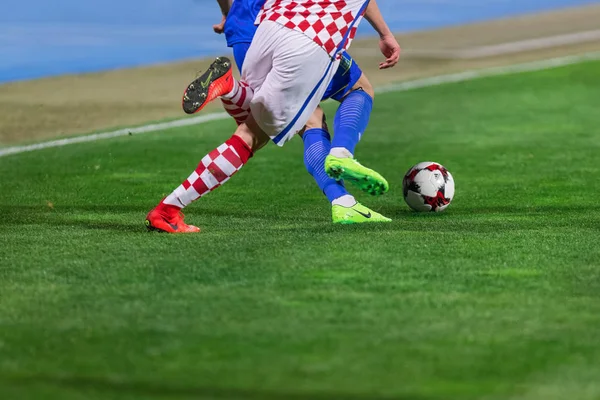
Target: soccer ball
[428,186]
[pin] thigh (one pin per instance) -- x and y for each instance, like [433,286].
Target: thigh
[259,57]
[293,87]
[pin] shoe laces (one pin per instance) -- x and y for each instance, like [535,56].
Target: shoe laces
[179,218]
[174,218]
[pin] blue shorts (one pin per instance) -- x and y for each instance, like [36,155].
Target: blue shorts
[346,76]
[239,54]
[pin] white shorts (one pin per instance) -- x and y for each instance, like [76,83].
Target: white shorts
[289,74]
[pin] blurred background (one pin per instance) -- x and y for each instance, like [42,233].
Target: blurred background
[39,38]
[52,42]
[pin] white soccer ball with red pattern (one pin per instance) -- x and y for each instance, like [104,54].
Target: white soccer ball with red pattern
[428,186]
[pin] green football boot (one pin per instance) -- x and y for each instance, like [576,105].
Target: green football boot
[350,170]
[357,214]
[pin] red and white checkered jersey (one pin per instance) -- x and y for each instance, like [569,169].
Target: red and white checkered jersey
[325,21]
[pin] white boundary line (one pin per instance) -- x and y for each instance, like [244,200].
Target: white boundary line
[501,49]
[486,72]
[530,44]
[109,135]
[397,87]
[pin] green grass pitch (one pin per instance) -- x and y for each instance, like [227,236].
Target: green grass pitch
[498,298]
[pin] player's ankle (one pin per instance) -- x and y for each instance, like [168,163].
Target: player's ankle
[340,152]
[167,207]
[346,200]
[235,88]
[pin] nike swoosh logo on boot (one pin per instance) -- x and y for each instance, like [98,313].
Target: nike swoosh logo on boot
[363,214]
[206,82]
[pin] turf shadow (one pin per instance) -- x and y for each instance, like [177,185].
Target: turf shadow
[66,216]
[147,389]
[507,209]
[109,217]
[466,222]
[99,208]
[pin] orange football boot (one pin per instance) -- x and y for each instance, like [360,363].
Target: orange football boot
[215,82]
[168,219]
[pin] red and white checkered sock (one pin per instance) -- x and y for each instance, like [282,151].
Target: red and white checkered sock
[237,102]
[214,170]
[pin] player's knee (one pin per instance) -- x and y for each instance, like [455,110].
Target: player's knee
[252,134]
[365,85]
[316,121]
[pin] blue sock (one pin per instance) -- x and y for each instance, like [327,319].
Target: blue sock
[316,147]
[351,120]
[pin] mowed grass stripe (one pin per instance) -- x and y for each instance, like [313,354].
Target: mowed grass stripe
[496,298]
[394,87]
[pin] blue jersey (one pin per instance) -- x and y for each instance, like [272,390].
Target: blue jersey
[239,25]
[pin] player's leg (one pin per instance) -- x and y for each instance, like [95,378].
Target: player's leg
[290,74]
[345,209]
[350,122]
[214,170]
[352,117]
[317,144]
[237,101]
[218,81]
[219,165]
